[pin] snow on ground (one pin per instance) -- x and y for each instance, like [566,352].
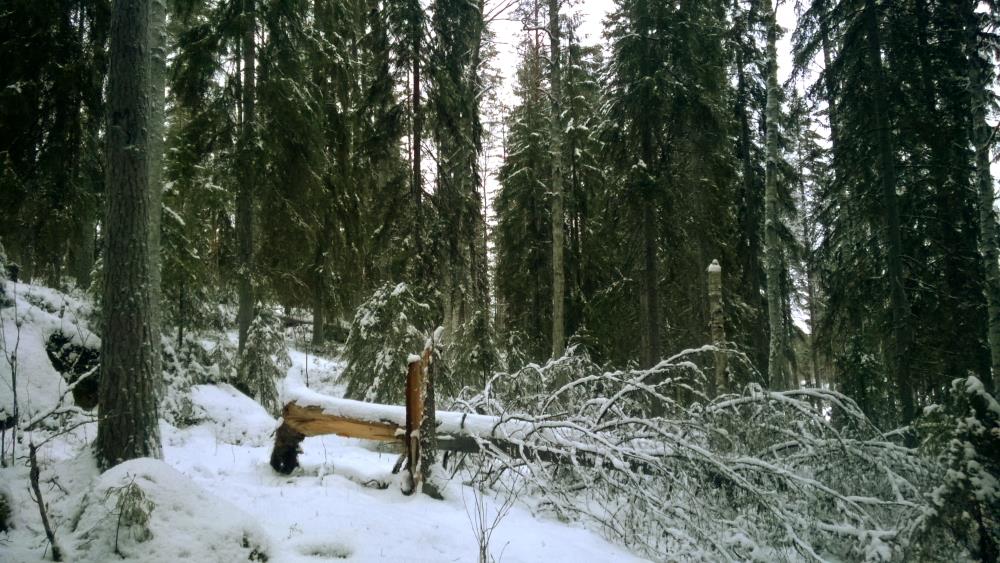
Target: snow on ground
[335,506]
[216,499]
[36,314]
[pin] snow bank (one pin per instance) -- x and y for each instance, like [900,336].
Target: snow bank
[234,417]
[37,314]
[158,515]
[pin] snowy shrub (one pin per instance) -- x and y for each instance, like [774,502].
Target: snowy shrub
[649,458]
[390,326]
[132,510]
[190,364]
[265,360]
[965,438]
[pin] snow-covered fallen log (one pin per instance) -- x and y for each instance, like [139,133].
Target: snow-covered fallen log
[307,413]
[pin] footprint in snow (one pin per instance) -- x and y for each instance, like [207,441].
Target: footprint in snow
[325,550]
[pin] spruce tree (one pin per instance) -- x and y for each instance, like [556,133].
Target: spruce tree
[128,426]
[523,219]
[459,28]
[556,186]
[666,90]
[979,76]
[774,259]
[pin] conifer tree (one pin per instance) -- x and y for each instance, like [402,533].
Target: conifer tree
[523,220]
[128,427]
[979,77]
[247,173]
[558,213]
[664,104]
[458,28]
[774,259]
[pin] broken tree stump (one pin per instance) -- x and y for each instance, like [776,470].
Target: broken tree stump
[414,419]
[717,327]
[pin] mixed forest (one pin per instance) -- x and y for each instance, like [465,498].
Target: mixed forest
[718,315]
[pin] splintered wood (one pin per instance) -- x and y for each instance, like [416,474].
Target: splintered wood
[415,374]
[312,421]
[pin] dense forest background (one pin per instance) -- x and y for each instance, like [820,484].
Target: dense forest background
[325,163]
[316,151]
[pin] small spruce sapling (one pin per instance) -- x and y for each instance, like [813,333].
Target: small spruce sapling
[387,328]
[265,360]
[965,437]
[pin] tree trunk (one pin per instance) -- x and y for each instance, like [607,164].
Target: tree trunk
[558,236]
[773,255]
[423,271]
[717,326]
[831,102]
[244,194]
[989,238]
[181,313]
[809,240]
[751,250]
[82,253]
[158,98]
[130,343]
[650,302]
[418,118]
[898,302]
[320,290]
[319,315]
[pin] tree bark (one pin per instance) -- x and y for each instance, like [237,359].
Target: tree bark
[650,300]
[82,253]
[773,255]
[245,192]
[320,290]
[898,302]
[989,238]
[130,344]
[157,98]
[831,102]
[558,236]
[717,326]
[418,117]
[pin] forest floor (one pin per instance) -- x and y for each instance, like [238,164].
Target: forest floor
[215,498]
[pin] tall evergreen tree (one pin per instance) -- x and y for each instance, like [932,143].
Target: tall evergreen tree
[921,213]
[523,220]
[458,28]
[980,75]
[556,185]
[774,258]
[247,172]
[128,427]
[666,92]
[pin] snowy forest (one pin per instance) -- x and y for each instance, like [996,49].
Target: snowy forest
[499,280]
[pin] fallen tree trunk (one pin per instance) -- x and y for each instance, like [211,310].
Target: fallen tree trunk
[318,415]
